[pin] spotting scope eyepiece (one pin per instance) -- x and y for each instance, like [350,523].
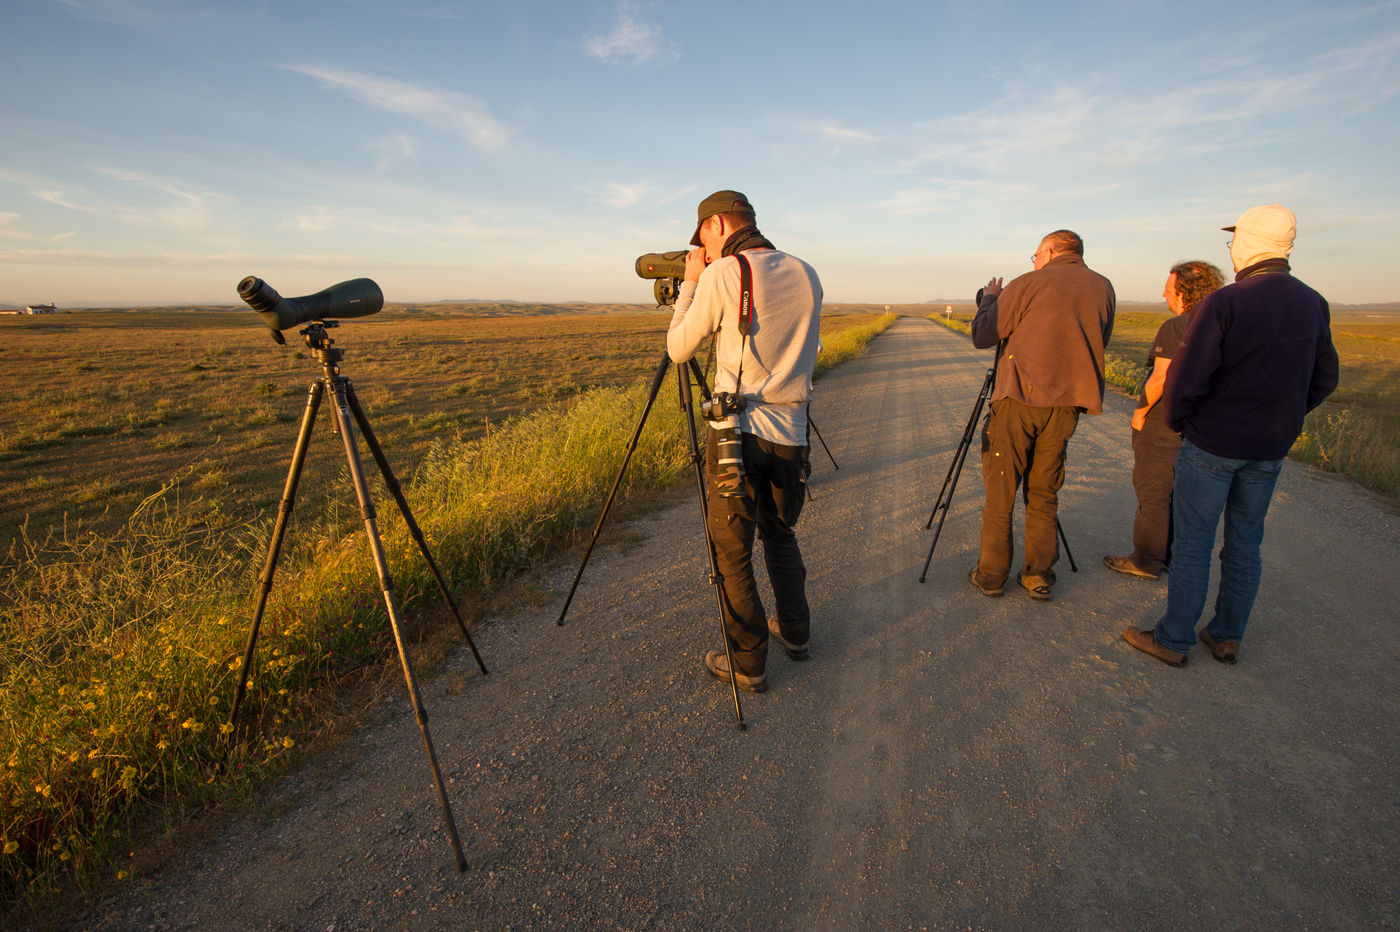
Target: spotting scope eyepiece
[359,297]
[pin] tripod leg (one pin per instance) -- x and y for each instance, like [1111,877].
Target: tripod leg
[396,491]
[697,457]
[381,566]
[823,443]
[950,481]
[279,530]
[956,468]
[969,431]
[1065,540]
[607,505]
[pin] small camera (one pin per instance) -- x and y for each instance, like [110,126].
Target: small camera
[722,405]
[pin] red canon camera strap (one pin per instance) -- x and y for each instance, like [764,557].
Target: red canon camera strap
[745,315]
[745,294]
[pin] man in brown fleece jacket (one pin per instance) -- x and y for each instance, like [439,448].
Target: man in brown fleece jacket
[1050,326]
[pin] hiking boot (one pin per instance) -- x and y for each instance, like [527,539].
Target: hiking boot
[1145,640]
[1040,592]
[1127,567]
[989,591]
[718,665]
[794,650]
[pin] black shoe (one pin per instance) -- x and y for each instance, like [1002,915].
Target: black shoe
[794,651]
[718,665]
[989,591]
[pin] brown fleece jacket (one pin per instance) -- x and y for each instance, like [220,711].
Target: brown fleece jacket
[1055,322]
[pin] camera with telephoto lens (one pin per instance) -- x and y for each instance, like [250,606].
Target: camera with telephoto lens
[722,411]
[722,405]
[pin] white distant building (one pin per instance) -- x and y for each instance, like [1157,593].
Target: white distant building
[40,309]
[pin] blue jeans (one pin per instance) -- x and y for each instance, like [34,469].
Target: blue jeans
[1205,486]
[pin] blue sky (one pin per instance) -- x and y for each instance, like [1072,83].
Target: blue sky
[156,151]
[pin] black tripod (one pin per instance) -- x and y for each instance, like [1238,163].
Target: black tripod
[950,481]
[346,403]
[683,375]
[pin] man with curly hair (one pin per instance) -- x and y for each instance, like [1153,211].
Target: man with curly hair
[1154,443]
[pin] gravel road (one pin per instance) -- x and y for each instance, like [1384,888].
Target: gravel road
[943,760]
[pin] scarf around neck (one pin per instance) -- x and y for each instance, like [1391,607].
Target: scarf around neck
[747,238]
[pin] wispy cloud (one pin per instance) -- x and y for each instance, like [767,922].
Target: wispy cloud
[1044,126]
[631,41]
[817,139]
[393,151]
[193,205]
[622,195]
[455,112]
[939,194]
[60,199]
[318,218]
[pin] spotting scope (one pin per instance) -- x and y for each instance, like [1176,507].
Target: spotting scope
[668,268]
[359,297]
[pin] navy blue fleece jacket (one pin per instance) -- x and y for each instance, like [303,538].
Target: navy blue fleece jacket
[1256,357]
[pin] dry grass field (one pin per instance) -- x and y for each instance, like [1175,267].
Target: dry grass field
[99,408]
[144,448]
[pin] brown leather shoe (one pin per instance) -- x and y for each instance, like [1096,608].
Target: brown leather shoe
[1224,651]
[718,665]
[1127,567]
[1144,640]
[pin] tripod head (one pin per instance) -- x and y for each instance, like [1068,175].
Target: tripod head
[320,343]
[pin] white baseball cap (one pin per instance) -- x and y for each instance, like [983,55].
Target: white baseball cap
[1273,224]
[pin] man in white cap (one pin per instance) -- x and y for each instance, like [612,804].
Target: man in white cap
[1256,358]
